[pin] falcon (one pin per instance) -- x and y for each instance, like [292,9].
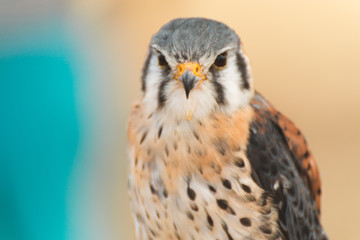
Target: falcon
[208,156]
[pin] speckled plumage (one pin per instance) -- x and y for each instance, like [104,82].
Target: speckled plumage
[234,169]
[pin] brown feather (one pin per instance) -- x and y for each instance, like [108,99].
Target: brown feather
[297,145]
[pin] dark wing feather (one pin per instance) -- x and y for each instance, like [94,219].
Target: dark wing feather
[280,163]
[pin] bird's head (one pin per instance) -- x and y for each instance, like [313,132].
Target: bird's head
[195,67]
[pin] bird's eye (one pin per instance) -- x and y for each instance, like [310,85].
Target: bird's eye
[220,60]
[162,61]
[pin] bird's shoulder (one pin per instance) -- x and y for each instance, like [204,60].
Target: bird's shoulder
[284,166]
[266,115]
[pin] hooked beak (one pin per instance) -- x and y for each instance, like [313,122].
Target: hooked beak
[190,76]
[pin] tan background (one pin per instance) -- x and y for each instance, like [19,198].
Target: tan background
[305,58]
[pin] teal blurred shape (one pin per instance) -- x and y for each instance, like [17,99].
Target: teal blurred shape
[39,134]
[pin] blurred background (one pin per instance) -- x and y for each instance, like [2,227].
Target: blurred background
[69,71]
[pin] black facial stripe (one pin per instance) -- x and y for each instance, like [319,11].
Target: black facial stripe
[145,71]
[240,61]
[220,98]
[161,95]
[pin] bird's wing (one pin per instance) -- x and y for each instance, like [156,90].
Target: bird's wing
[283,165]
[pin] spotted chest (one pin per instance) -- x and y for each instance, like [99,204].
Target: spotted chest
[192,180]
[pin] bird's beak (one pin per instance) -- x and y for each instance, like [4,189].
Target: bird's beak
[190,75]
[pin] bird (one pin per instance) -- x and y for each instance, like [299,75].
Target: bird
[208,156]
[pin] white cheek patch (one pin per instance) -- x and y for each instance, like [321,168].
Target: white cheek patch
[153,81]
[230,79]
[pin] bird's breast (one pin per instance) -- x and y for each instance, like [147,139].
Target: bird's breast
[193,179]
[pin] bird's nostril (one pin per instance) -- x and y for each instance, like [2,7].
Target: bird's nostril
[197,69]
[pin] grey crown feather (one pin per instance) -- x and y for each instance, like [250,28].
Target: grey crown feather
[191,38]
